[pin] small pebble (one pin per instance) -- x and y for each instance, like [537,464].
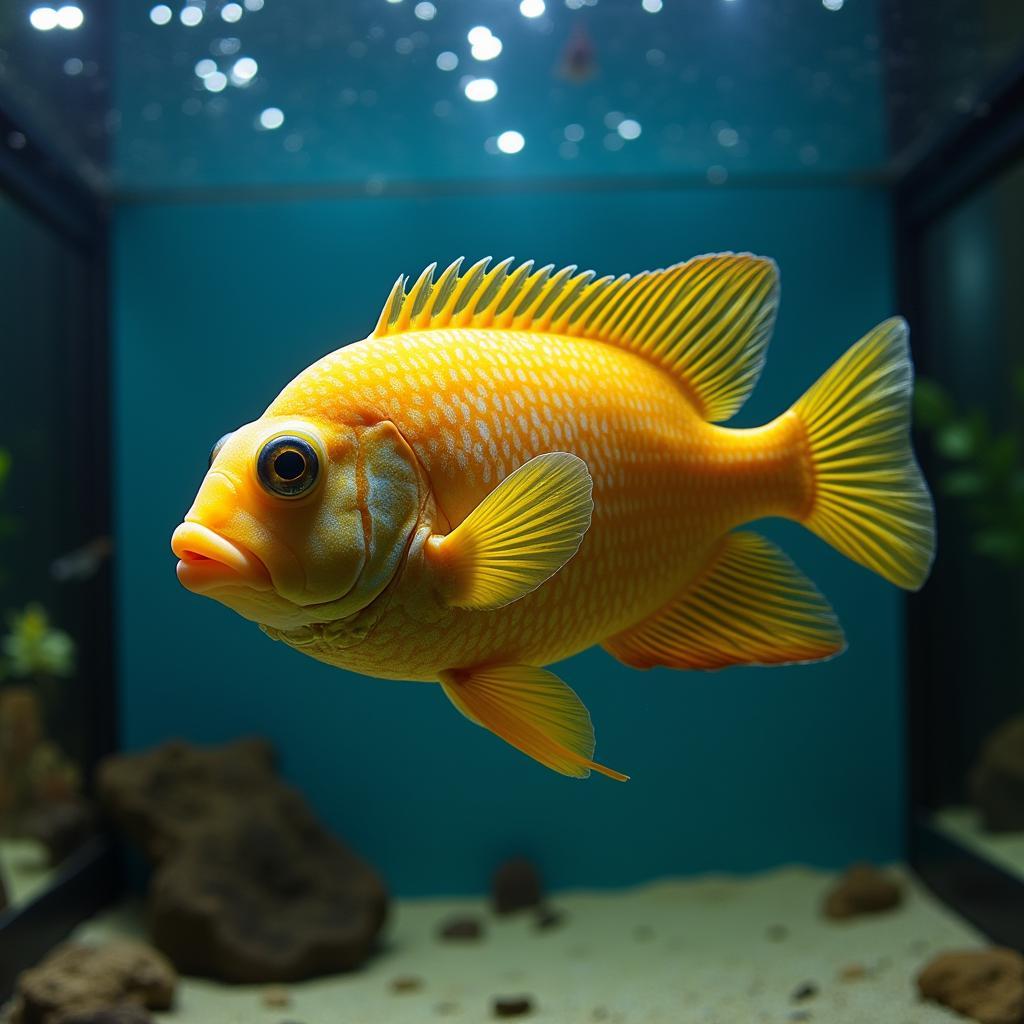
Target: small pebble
[512,1006]
[277,996]
[406,983]
[548,917]
[853,972]
[808,990]
[776,932]
[461,929]
[516,885]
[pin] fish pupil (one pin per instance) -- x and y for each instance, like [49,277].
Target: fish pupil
[290,465]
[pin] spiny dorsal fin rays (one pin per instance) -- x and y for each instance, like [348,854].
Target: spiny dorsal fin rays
[706,321]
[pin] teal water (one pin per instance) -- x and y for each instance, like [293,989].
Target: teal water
[216,306]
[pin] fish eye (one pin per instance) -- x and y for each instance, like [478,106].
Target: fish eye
[287,466]
[215,450]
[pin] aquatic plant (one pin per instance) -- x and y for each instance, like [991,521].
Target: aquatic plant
[983,468]
[35,648]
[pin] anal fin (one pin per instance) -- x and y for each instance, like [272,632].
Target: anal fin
[749,605]
[533,710]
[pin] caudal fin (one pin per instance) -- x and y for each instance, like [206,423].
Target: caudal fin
[869,499]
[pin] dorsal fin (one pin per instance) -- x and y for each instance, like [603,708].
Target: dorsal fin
[706,321]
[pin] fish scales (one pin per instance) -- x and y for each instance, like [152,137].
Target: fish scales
[474,404]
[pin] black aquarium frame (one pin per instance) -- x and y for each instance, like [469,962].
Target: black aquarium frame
[90,878]
[967,159]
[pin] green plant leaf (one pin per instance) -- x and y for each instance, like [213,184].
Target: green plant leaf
[955,440]
[1003,545]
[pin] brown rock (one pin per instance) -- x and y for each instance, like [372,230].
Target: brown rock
[547,918]
[512,1006]
[985,984]
[406,983]
[853,972]
[462,929]
[76,983]
[248,886]
[863,889]
[997,780]
[516,886]
[126,1014]
[808,990]
[276,997]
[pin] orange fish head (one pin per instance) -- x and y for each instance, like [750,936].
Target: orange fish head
[299,521]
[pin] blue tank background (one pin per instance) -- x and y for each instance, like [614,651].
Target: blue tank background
[218,305]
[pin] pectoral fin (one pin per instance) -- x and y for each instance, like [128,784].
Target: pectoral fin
[749,606]
[521,534]
[533,710]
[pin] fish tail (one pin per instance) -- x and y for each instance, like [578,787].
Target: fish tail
[866,495]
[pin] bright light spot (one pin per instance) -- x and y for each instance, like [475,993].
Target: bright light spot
[231,12]
[244,70]
[574,132]
[511,142]
[531,8]
[205,67]
[160,15]
[254,5]
[271,118]
[216,81]
[227,46]
[480,90]
[447,61]
[651,6]
[73,66]
[425,10]
[43,19]
[832,5]
[70,17]
[394,1]
[486,49]
[728,137]
[478,35]
[191,16]
[629,129]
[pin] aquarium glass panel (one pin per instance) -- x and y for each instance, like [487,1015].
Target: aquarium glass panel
[973,413]
[51,559]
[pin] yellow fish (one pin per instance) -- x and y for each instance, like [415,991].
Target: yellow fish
[520,463]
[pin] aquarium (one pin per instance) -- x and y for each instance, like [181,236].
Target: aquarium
[644,475]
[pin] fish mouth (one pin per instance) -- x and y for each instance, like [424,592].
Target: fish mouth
[208,561]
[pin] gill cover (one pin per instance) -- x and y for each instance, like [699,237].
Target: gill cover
[389,497]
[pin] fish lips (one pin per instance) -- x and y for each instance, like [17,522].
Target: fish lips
[208,561]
